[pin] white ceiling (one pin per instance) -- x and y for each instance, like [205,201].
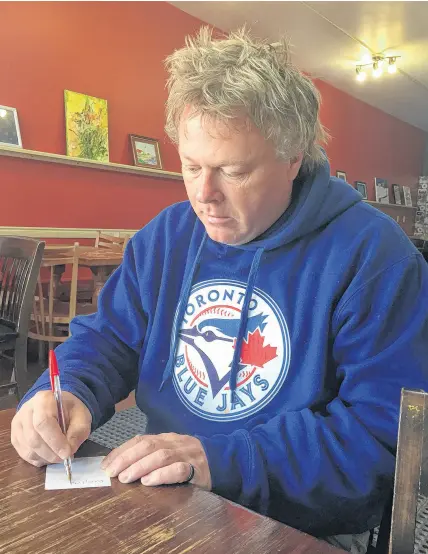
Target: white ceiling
[330,38]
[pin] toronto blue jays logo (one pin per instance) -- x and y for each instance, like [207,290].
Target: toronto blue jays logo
[207,339]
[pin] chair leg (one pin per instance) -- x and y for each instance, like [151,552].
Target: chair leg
[20,366]
[42,351]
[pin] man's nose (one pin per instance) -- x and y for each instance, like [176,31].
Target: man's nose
[208,189]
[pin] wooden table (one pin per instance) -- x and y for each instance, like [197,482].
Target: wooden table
[101,262]
[125,519]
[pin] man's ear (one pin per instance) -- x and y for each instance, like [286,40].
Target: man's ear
[295,165]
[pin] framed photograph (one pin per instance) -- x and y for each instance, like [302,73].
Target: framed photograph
[362,188]
[146,152]
[381,190]
[10,134]
[86,126]
[397,194]
[341,175]
[407,196]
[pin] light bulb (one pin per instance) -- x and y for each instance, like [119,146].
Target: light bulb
[392,66]
[361,75]
[377,70]
[3,113]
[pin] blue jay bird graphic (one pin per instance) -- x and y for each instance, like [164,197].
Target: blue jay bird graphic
[213,340]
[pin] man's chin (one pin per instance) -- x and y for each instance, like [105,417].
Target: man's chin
[225,237]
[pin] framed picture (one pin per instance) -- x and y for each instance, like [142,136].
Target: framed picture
[362,188]
[10,134]
[381,190]
[407,196]
[146,152]
[86,126]
[341,175]
[397,194]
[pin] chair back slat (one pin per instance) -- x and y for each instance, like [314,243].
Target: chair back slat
[4,287]
[20,279]
[17,288]
[111,242]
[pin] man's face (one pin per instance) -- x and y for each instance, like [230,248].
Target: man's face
[234,181]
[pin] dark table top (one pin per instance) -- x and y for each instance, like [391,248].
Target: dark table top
[125,519]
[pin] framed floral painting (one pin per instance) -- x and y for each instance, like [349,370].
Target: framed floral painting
[86,125]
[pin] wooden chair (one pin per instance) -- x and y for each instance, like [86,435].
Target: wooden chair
[399,531]
[411,471]
[20,260]
[51,316]
[112,242]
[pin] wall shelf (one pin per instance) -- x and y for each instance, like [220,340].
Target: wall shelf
[377,204]
[90,164]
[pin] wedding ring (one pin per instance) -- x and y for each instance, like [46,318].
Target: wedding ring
[191,474]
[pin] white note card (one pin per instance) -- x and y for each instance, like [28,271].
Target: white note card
[86,472]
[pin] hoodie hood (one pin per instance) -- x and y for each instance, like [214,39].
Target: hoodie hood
[316,200]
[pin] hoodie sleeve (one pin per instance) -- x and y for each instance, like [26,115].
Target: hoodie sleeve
[327,470]
[99,362]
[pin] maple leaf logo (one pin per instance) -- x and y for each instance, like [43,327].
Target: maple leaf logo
[254,353]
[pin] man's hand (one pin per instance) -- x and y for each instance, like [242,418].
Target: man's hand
[159,460]
[36,434]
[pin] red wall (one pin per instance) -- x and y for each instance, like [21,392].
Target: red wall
[115,50]
[368,143]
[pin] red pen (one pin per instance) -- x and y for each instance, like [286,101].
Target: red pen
[56,389]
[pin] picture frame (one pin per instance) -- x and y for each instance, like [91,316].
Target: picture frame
[407,196]
[146,152]
[10,133]
[361,187]
[397,194]
[86,126]
[341,175]
[381,190]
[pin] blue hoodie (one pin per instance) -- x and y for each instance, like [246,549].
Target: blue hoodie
[284,356]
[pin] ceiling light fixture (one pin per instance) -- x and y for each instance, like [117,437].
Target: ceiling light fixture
[377,66]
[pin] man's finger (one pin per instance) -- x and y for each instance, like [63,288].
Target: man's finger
[47,426]
[126,454]
[142,465]
[175,473]
[27,454]
[41,450]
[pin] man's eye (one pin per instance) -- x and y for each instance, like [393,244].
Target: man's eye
[192,169]
[233,174]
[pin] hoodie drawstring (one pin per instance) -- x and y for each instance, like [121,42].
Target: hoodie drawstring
[244,318]
[184,297]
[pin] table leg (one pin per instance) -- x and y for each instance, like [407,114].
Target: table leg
[56,281]
[101,274]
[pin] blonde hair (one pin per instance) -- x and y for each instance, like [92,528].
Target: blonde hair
[220,78]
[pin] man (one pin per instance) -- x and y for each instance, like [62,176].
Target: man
[267,326]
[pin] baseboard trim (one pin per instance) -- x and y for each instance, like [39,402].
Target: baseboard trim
[60,232]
